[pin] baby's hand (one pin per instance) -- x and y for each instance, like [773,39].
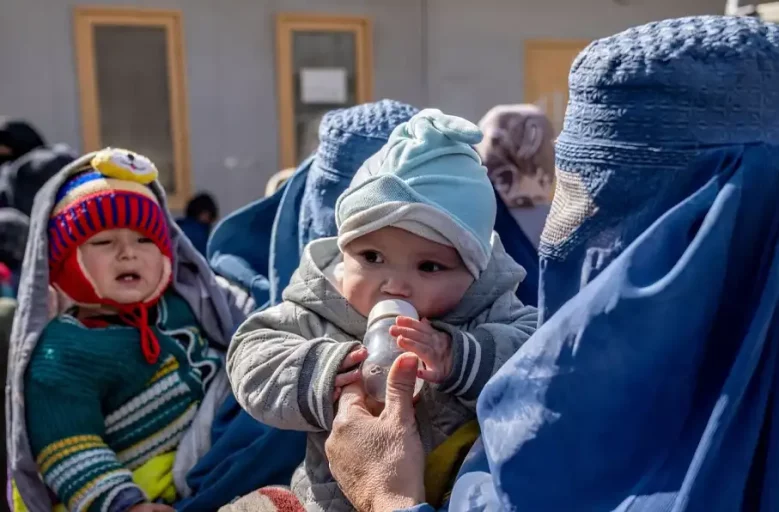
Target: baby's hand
[433,347]
[345,373]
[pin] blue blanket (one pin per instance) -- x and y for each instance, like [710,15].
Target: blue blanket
[245,455]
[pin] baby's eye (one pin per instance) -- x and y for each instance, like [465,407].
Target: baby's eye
[372,257]
[99,242]
[145,240]
[431,267]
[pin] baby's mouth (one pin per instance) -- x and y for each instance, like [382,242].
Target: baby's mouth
[128,277]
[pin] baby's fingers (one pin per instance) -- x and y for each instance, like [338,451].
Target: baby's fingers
[344,379]
[430,375]
[421,326]
[354,358]
[410,333]
[423,351]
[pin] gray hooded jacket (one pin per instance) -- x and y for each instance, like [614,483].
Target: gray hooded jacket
[283,361]
[216,305]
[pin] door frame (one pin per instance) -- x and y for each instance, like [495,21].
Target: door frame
[286,24]
[85,18]
[531,45]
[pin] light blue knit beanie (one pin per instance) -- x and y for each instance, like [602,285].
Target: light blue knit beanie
[427,179]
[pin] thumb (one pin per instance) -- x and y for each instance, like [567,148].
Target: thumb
[399,398]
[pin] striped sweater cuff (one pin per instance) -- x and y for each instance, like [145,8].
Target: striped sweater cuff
[317,381]
[123,498]
[473,357]
[82,471]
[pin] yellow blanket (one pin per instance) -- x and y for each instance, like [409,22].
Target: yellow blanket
[444,462]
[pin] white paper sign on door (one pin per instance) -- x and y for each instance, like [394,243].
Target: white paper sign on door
[323,85]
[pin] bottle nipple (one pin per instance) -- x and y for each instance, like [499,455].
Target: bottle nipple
[391,308]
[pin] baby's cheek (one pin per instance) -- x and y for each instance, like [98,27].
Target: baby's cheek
[157,266]
[102,278]
[357,292]
[443,298]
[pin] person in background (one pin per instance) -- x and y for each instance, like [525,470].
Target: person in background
[199,217]
[14,226]
[17,138]
[26,163]
[518,152]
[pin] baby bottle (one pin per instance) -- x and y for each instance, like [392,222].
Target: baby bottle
[382,348]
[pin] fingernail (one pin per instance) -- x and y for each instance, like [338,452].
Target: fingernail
[408,362]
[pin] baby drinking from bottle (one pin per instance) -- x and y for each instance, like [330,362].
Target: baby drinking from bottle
[417,265]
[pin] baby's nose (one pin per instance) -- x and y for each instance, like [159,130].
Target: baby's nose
[127,251]
[397,286]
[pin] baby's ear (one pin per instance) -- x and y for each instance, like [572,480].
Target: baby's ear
[53,302]
[58,302]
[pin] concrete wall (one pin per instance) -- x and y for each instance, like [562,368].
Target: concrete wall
[463,56]
[475,48]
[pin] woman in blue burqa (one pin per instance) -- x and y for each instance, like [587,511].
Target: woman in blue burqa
[652,383]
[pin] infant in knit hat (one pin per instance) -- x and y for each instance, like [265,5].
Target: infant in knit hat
[114,383]
[415,224]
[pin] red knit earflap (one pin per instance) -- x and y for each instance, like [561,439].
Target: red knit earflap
[71,279]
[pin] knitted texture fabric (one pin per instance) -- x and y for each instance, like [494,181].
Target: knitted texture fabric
[644,104]
[112,192]
[92,202]
[347,137]
[82,214]
[96,410]
[266,499]
[429,180]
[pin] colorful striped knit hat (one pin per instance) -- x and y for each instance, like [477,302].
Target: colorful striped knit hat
[110,193]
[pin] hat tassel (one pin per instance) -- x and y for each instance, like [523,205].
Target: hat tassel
[150,345]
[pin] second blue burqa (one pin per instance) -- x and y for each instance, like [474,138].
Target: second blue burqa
[653,383]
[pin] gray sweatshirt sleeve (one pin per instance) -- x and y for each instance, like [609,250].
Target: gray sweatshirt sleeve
[482,347]
[282,368]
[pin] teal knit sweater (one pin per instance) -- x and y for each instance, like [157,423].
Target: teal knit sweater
[96,410]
